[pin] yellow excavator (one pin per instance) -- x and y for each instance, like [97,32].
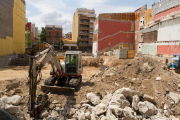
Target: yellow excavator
[32,51]
[67,74]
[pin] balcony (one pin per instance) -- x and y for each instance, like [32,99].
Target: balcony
[84,39]
[49,36]
[84,28]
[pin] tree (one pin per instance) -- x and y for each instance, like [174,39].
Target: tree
[77,43]
[61,42]
[28,40]
[43,35]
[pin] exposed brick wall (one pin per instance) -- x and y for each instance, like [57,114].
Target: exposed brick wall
[28,25]
[53,36]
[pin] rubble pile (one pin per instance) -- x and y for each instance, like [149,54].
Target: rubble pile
[122,104]
[10,105]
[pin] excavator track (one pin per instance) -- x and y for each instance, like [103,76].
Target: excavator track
[74,82]
[50,81]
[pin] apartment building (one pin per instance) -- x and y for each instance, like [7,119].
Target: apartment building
[82,28]
[54,34]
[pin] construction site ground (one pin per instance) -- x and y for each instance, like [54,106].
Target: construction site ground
[132,75]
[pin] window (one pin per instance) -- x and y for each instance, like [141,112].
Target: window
[57,41]
[49,33]
[57,34]
[49,41]
[70,65]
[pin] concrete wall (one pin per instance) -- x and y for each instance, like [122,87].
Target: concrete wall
[169,33]
[14,40]
[165,5]
[5,60]
[149,49]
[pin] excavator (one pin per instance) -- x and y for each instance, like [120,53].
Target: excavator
[32,51]
[66,75]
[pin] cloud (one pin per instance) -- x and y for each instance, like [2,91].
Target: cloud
[59,12]
[28,12]
[52,12]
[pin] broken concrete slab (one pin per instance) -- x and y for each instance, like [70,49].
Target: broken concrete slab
[149,98]
[15,100]
[93,98]
[174,96]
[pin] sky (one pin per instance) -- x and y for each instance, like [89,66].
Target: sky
[60,12]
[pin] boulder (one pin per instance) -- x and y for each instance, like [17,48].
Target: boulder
[72,111]
[12,92]
[174,96]
[100,109]
[18,90]
[126,92]
[43,114]
[106,99]
[119,100]
[15,100]
[88,115]
[110,115]
[3,101]
[118,112]
[11,109]
[127,113]
[149,98]
[135,102]
[136,93]
[93,98]
[147,108]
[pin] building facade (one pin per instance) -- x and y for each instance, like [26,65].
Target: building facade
[68,35]
[161,33]
[54,35]
[12,32]
[117,31]
[82,28]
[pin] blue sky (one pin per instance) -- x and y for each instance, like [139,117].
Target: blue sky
[60,12]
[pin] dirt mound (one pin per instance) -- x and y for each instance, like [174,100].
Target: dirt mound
[107,61]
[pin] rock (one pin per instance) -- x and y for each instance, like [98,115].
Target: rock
[118,112]
[52,118]
[84,102]
[127,113]
[15,100]
[43,114]
[93,116]
[157,117]
[178,87]
[126,92]
[72,111]
[149,98]
[109,114]
[57,108]
[130,110]
[88,115]
[129,64]
[3,101]
[147,108]
[77,106]
[119,100]
[18,90]
[55,102]
[165,107]
[12,85]
[104,118]
[106,99]
[135,102]
[158,78]
[11,109]
[54,113]
[146,68]
[19,115]
[136,93]
[12,92]
[95,100]
[175,97]
[51,106]
[81,116]
[100,109]
[109,75]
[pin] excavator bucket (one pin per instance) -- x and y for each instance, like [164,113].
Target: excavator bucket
[58,90]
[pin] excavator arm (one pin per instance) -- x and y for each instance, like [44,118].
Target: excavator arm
[36,63]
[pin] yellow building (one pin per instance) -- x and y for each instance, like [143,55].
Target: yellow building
[12,27]
[82,27]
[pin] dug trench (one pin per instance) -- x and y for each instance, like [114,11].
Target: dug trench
[147,77]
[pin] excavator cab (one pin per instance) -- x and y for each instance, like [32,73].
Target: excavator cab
[73,63]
